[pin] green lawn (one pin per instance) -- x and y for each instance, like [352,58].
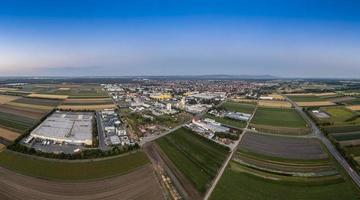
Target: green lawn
[240,185]
[196,157]
[278,117]
[227,121]
[238,107]
[72,170]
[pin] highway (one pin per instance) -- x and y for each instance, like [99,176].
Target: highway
[335,153]
[225,164]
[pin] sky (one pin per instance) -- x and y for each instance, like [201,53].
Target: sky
[286,38]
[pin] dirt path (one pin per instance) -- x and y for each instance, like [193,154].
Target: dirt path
[140,184]
[183,185]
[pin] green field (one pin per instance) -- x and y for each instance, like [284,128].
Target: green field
[349,136]
[227,121]
[238,107]
[195,156]
[278,117]
[57,170]
[341,116]
[237,183]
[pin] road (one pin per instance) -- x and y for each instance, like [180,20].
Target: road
[222,170]
[101,133]
[335,153]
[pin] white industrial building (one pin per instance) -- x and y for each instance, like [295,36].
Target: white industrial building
[69,127]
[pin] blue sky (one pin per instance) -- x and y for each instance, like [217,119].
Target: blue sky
[89,38]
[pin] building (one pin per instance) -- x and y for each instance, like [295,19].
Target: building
[70,127]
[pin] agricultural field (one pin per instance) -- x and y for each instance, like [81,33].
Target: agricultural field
[274,104]
[279,120]
[311,100]
[87,104]
[2,147]
[238,107]
[62,170]
[196,157]
[6,98]
[21,114]
[276,167]
[341,119]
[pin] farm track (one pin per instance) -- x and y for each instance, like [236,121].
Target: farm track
[183,185]
[139,184]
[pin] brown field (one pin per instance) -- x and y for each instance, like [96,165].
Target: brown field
[283,147]
[24,112]
[8,134]
[87,107]
[315,103]
[2,147]
[32,106]
[139,184]
[48,96]
[275,104]
[355,108]
[324,94]
[86,100]
[5,98]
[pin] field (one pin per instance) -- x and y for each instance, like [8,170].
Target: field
[62,170]
[275,104]
[227,121]
[315,103]
[87,107]
[240,183]
[238,107]
[47,96]
[279,120]
[274,167]
[196,157]
[8,134]
[284,147]
[21,114]
[339,116]
[136,184]
[6,98]
[305,98]
[2,147]
[355,107]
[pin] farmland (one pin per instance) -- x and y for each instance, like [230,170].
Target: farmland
[275,104]
[6,98]
[241,183]
[282,168]
[238,107]
[196,157]
[22,113]
[61,170]
[279,120]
